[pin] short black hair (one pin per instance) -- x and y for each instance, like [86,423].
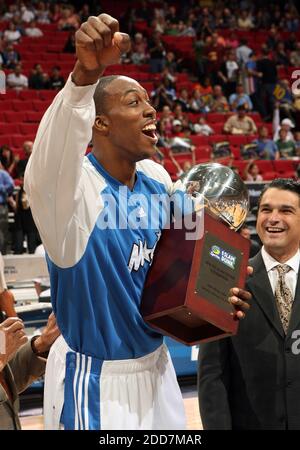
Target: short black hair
[100,95]
[285,184]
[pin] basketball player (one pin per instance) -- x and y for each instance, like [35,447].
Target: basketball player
[110,370]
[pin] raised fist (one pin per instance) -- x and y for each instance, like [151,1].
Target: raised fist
[99,43]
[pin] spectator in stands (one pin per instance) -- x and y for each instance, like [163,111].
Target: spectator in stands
[177,128]
[245,21]
[10,57]
[139,49]
[56,81]
[11,13]
[280,56]
[284,96]
[24,226]
[295,56]
[17,80]
[254,247]
[268,71]
[273,38]
[167,119]
[206,91]
[287,148]
[84,13]
[252,83]
[20,169]
[265,147]
[251,172]
[229,20]
[12,35]
[70,44]
[55,12]
[69,20]
[157,53]
[27,14]
[184,100]
[172,62]
[297,143]
[196,103]
[36,78]
[228,73]
[8,160]
[240,123]
[232,41]
[178,113]
[214,53]
[6,190]
[243,52]
[160,97]
[286,124]
[219,102]
[42,13]
[33,30]
[202,128]
[240,98]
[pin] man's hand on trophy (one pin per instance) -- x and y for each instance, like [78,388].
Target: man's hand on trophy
[240,299]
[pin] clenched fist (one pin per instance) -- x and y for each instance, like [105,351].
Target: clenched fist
[98,45]
[13,337]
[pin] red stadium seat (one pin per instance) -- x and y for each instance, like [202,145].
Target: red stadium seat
[170,167]
[5,139]
[6,105]
[29,128]
[11,94]
[47,95]
[216,117]
[13,116]
[22,105]
[39,105]
[203,152]
[18,139]
[237,139]
[283,165]
[9,128]
[29,94]
[217,138]
[34,116]
[199,140]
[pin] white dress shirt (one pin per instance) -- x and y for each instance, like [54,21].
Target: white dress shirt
[290,277]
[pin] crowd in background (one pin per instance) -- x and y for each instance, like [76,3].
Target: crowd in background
[227,73]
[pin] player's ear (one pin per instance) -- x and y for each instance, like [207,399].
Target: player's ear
[101,124]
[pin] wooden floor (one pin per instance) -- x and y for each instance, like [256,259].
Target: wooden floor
[35,422]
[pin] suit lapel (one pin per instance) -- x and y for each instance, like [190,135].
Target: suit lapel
[295,316]
[259,285]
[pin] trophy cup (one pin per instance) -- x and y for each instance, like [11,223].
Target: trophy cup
[186,291]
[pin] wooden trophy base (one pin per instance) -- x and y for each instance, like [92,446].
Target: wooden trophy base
[186,291]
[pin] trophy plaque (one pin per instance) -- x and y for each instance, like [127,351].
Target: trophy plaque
[186,291]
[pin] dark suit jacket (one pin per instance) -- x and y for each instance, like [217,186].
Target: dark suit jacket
[252,380]
[21,371]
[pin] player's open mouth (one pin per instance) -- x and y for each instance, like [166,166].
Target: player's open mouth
[150,132]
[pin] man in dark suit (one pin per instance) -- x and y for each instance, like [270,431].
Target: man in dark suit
[21,362]
[252,380]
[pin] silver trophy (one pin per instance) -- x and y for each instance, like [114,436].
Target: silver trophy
[224,193]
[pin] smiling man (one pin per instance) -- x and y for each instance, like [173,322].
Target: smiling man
[252,381]
[110,370]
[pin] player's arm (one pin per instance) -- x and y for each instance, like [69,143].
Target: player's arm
[52,179]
